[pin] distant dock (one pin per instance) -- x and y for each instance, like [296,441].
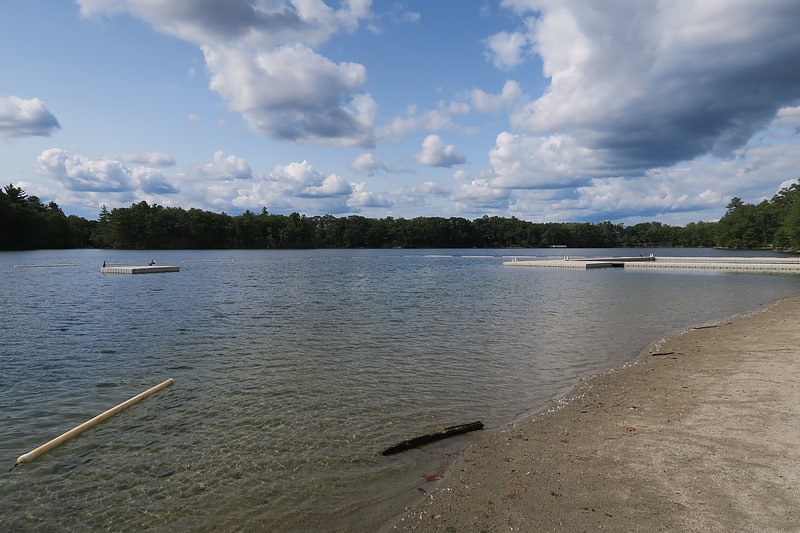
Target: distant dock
[739,264]
[146,269]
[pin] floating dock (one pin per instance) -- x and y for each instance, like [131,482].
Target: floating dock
[146,269]
[739,264]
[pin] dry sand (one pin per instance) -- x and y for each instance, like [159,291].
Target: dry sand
[700,433]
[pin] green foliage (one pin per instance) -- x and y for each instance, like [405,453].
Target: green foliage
[772,223]
[27,223]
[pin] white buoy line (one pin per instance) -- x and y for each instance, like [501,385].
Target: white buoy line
[53,265]
[61,439]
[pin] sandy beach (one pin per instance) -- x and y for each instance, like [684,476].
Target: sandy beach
[700,433]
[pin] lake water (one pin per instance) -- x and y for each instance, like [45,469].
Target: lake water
[294,369]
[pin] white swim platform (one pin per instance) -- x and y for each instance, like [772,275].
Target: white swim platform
[146,269]
[741,264]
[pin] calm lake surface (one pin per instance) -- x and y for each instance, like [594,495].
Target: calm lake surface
[294,369]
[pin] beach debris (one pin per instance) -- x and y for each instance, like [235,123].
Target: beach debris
[432,437]
[661,353]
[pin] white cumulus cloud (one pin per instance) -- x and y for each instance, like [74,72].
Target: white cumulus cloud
[224,168]
[361,197]
[554,161]
[495,103]
[293,93]
[79,173]
[368,163]
[262,61]
[435,153]
[654,83]
[506,50]
[21,117]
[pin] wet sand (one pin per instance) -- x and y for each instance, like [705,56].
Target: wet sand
[700,433]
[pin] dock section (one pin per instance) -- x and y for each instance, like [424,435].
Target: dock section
[744,264]
[580,262]
[146,269]
[738,264]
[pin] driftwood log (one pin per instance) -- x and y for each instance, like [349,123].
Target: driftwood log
[706,327]
[432,437]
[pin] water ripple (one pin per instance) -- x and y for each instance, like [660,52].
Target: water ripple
[292,371]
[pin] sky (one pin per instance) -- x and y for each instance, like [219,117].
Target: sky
[546,110]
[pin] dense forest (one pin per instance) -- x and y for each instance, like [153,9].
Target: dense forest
[27,223]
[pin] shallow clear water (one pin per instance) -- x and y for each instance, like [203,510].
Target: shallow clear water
[293,370]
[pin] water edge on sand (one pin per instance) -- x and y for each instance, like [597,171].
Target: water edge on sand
[698,433]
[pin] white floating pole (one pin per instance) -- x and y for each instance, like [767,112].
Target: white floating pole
[46,447]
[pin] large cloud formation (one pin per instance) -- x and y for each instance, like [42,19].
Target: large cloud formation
[641,84]
[78,173]
[299,186]
[649,107]
[21,117]
[226,182]
[262,62]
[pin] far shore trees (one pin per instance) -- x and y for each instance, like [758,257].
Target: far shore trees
[28,223]
[772,223]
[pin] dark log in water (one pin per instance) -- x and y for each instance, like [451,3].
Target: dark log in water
[432,437]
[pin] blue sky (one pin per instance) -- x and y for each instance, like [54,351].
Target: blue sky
[547,110]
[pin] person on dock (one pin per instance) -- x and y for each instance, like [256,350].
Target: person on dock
[151,263]
[104,264]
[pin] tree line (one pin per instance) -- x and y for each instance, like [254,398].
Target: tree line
[27,223]
[773,223]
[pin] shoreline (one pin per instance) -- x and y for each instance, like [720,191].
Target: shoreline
[699,432]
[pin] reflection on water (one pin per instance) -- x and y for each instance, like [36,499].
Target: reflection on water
[293,370]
